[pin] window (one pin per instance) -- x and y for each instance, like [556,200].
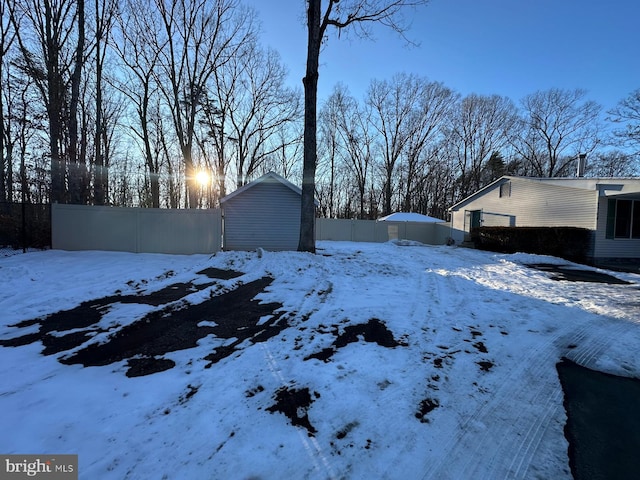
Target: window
[623,219]
[505,189]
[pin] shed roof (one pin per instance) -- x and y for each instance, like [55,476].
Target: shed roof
[270,177]
[409,217]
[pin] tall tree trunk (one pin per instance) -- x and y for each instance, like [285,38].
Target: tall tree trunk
[307,242]
[190,178]
[77,173]
[4,179]
[55,92]
[388,192]
[99,187]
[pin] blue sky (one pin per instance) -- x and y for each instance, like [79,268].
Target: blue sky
[505,47]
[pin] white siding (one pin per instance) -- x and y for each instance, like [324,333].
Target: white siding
[267,215]
[531,204]
[612,248]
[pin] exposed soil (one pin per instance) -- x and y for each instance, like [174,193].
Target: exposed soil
[374,331]
[220,274]
[603,426]
[427,405]
[234,314]
[561,272]
[294,404]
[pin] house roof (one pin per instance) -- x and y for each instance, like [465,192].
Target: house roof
[607,186]
[480,192]
[409,217]
[270,177]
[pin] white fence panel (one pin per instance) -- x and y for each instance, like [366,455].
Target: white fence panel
[148,230]
[373,231]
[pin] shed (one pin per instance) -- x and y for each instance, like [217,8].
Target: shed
[410,217]
[411,225]
[262,214]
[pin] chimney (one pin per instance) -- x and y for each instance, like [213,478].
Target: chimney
[582,164]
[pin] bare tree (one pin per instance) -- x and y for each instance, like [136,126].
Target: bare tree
[104,11]
[197,38]
[433,107]
[78,178]
[357,143]
[627,115]
[262,106]
[613,163]
[139,55]
[245,114]
[7,36]
[330,124]
[558,125]
[50,56]
[394,118]
[341,15]
[480,126]
[286,159]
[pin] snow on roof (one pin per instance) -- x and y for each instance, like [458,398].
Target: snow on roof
[409,217]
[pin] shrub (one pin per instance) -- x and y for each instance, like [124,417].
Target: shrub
[570,243]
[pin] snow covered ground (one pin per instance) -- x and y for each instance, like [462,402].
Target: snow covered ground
[469,391]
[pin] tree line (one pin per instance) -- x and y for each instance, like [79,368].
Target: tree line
[125,102]
[113,102]
[412,144]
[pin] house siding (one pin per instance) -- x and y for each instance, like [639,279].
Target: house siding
[530,203]
[607,248]
[267,216]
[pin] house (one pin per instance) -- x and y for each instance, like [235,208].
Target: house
[262,214]
[609,207]
[413,226]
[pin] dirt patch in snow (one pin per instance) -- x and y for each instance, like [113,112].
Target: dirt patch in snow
[230,315]
[294,403]
[427,405]
[374,331]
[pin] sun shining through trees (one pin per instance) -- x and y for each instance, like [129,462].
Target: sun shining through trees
[203,178]
[196,83]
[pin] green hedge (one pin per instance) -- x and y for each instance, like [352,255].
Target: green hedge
[566,242]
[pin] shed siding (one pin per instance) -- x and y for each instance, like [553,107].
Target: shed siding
[612,248]
[267,215]
[530,204]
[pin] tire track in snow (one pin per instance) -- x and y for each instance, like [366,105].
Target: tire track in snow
[591,342]
[590,347]
[465,455]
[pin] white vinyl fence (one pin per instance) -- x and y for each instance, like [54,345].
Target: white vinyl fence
[189,231]
[148,230]
[374,231]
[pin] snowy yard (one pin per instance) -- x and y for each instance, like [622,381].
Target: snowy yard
[364,361]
